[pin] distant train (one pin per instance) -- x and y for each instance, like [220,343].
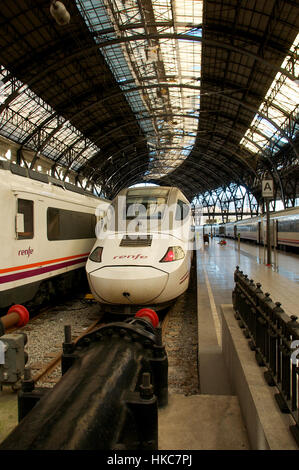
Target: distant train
[47,232]
[143,254]
[284,228]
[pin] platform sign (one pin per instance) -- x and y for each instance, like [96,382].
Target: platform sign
[268,188]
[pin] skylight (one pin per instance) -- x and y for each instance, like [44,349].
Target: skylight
[22,117]
[281,106]
[152,68]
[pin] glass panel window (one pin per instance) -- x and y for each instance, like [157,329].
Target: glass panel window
[146,204]
[69,225]
[182,210]
[24,219]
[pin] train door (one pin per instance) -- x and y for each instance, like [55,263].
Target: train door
[263,231]
[259,233]
[235,232]
[27,232]
[274,232]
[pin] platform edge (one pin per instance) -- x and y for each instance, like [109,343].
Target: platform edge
[267,428]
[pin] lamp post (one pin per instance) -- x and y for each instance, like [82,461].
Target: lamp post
[268,193]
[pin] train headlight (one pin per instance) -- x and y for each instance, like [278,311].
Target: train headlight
[174,253]
[96,255]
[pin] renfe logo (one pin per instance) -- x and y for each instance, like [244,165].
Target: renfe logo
[130,256]
[26,252]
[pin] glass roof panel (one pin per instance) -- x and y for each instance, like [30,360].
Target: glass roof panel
[27,111]
[159,78]
[280,106]
[157,66]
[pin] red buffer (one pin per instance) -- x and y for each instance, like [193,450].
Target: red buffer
[150,314]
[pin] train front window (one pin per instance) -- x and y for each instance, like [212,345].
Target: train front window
[146,204]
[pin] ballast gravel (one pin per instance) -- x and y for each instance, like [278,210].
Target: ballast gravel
[45,333]
[181,343]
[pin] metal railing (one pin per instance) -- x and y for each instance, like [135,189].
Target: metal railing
[274,336]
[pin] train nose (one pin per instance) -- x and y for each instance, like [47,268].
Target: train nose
[128,284]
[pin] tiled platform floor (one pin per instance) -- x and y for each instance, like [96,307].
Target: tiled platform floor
[215,282]
[217,264]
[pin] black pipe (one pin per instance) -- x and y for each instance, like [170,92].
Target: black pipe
[105,399]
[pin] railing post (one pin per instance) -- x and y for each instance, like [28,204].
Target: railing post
[272,334]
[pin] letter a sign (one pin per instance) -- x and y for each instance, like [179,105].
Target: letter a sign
[267,188]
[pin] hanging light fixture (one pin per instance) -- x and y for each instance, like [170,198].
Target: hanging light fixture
[59,13]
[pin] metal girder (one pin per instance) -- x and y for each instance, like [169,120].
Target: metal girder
[248,37]
[10,98]
[68,149]
[197,165]
[272,163]
[44,143]
[182,115]
[78,155]
[158,85]
[124,178]
[88,50]
[127,182]
[38,128]
[260,52]
[264,116]
[153,86]
[237,101]
[241,135]
[209,157]
[209,42]
[240,160]
[193,164]
[109,97]
[230,129]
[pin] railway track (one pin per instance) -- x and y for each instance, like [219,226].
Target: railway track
[179,328]
[179,334]
[45,329]
[52,365]
[43,370]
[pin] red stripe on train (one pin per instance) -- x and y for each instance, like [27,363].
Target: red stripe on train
[37,272]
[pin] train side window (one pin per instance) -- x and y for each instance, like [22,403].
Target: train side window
[24,219]
[63,224]
[182,210]
[283,226]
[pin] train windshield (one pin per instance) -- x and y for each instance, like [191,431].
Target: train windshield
[149,204]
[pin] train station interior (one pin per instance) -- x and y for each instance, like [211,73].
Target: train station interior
[156,343]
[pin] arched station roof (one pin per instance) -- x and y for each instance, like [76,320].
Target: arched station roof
[196,94]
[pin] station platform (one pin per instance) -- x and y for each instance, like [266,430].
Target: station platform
[235,408]
[216,265]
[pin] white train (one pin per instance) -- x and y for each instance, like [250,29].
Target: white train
[47,232]
[284,228]
[144,250]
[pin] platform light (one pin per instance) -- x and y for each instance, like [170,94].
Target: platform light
[59,13]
